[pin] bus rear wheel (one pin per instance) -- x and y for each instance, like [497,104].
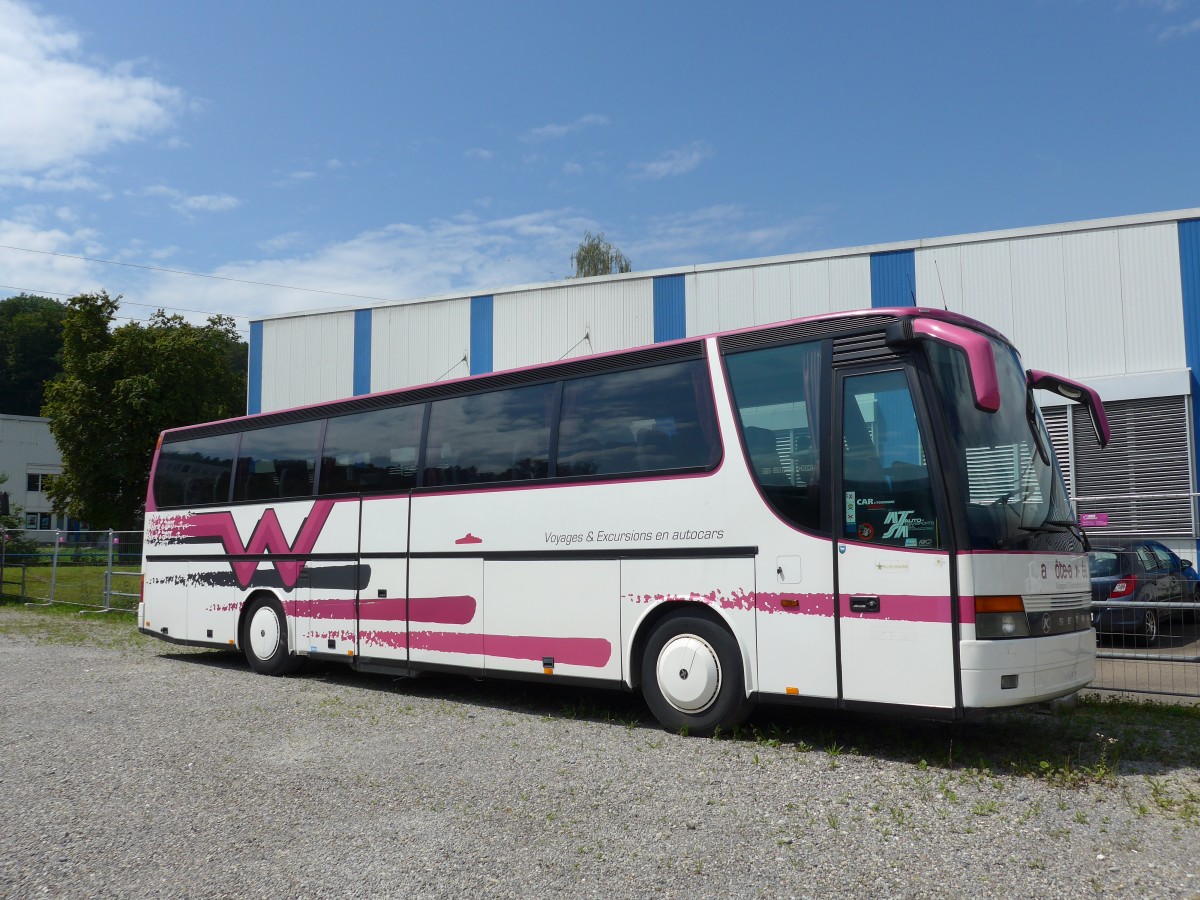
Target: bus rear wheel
[692,675]
[264,639]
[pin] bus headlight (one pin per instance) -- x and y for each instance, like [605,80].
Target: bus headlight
[1000,617]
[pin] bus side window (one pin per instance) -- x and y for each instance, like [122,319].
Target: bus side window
[780,407]
[654,419]
[372,452]
[496,436]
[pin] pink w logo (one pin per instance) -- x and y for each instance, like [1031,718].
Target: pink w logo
[267,538]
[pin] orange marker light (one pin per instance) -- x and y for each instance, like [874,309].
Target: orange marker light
[795,692]
[1003,603]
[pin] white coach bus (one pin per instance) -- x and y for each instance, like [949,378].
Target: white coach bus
[856,510]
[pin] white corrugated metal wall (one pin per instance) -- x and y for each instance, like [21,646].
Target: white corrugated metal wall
[721,299]
[310,359]
[1093,303]
[541,325]
[418,343]
[1085,301]
[1098,301]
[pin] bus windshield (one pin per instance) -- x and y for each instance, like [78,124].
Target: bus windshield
[1014,493]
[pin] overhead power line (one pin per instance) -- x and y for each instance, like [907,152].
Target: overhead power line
[113,262]
[124,302]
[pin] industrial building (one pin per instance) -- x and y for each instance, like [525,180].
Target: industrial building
[29,456]
[1112,302]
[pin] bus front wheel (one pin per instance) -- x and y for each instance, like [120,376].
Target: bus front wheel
[264,639]
[692,675]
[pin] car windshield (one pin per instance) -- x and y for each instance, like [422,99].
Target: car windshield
[1014,492]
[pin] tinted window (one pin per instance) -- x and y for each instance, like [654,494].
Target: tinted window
[277,462]
[777,392]
[195,472]
[372,451]
[498,436]
[888,498]
[643,420]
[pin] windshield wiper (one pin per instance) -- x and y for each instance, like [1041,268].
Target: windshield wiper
[1059,526]
[1034,431]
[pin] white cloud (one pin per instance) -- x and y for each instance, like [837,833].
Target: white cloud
[478,153]
[1178,31]
[401,262]
[186,203]
[38,267]
[56,110]
[552,131]
[674,162]
[572,168]
[719,233]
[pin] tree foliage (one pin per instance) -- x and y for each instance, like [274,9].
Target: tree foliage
[30,351]
[119,388]
[597,256]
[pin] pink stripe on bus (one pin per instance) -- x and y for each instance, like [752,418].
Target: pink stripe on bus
[802,604]
[430,610]
[591,652]
[902,608]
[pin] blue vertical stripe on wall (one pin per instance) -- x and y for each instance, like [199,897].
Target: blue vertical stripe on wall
[893,278]
[481,335]
[362,351]
[254,376]
[670,308]
[1189,272]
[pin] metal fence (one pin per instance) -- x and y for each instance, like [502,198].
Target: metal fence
[98,570]
[1147,643]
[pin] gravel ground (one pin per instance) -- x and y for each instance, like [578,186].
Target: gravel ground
[137,769]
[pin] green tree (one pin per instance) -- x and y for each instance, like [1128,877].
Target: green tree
[121,387]
[30,351]
[597,256]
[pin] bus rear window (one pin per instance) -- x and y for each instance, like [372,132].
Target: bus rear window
[195,472]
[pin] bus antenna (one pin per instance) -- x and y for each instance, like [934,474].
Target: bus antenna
[452,368]
[587,336]
[937,269]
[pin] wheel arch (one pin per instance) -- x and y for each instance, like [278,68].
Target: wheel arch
[647,624]
[247,603]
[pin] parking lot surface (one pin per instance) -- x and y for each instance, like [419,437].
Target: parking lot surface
[137,769]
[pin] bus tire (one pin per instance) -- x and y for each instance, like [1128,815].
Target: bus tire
[264,639]
[692,675]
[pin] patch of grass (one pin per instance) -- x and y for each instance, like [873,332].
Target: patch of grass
[61,624]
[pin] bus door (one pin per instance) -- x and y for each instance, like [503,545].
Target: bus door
[895,605]
[383,601]
[326,587]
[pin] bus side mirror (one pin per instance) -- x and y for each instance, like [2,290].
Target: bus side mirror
[1077,393]
[981,362]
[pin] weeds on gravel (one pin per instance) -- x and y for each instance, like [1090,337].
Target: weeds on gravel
[1091,744]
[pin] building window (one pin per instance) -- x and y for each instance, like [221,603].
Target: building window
[37,482]
[31,521]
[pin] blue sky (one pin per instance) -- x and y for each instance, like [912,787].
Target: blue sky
[398,150]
